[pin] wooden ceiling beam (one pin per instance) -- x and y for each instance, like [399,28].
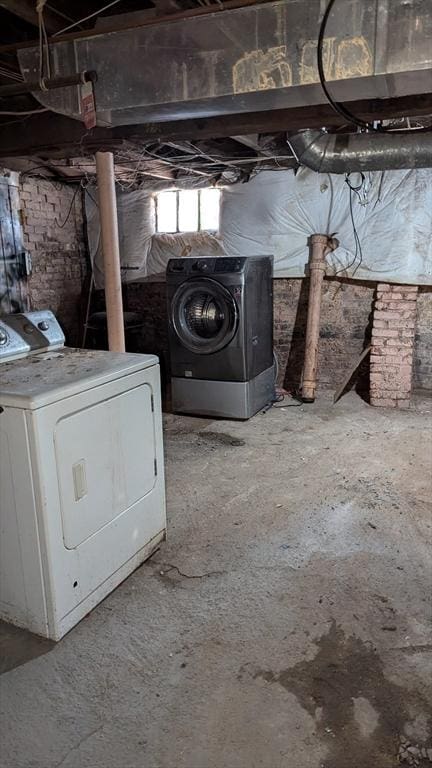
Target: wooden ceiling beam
[26,10]
[51,135]
[167,6]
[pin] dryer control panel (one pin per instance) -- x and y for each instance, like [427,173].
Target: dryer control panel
[23,333]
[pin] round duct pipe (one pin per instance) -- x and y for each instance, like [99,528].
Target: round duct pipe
[348,152]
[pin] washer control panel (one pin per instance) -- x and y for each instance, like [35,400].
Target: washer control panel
[206,266]
[202,265]
[230,264]
[27,332]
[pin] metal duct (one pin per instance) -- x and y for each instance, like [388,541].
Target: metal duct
[250,59]
[347,152]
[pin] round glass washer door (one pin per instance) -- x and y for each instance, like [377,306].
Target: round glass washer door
[204,315]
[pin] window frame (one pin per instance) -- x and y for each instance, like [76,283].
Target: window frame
[178,231]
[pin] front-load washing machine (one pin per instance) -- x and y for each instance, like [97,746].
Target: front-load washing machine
[220,313]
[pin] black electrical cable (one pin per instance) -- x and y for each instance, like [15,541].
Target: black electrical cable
[358,251]
[91,197]
[23,174]
[358,247]
[337,106]
[355,187]
[356,234]
[343,111]
[60,226]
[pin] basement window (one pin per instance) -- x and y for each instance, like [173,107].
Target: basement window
[188,210]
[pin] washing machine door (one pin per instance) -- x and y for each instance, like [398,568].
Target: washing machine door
[204,315]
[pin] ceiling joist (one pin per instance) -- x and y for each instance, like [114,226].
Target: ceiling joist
[26,10]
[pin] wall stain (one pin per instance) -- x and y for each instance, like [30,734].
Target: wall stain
[221,438]
[262,70]
[342,59]
[308,70]
[353,58]
[344,678]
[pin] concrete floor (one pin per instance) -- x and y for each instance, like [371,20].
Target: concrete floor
[286,623]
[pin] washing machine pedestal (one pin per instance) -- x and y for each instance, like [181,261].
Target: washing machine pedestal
[223,399]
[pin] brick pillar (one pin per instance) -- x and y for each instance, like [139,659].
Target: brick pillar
[394,321]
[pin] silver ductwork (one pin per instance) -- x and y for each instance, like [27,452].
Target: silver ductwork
[348,152]
[249,59]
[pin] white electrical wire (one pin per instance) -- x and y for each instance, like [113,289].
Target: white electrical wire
[43,37]
[24,112]
[86,18]
[58,13]
[11,75]
[47,53]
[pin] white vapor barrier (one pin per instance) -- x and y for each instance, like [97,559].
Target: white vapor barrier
[136,224]
[276,212]
[142,251]
[179,245]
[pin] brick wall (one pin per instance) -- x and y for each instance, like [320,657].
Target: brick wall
[54,235]
[346,312]
[393,332]
[345,326]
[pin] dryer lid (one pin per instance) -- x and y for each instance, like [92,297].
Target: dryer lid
[40,379]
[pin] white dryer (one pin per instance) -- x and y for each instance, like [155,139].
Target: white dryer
[82,494]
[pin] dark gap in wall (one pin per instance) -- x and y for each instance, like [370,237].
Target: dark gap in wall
[292,377]
[361,377]
[422,374]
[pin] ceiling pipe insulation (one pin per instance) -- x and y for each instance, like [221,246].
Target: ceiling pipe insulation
[348,152]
